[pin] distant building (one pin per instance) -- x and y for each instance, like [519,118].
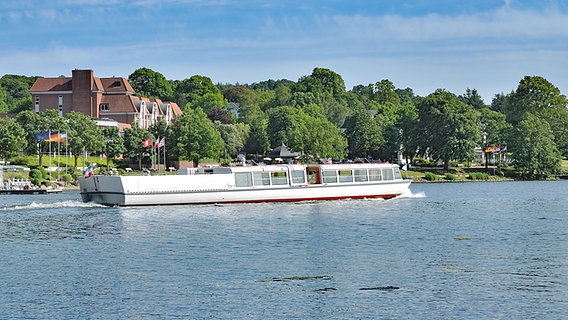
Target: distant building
[108,100]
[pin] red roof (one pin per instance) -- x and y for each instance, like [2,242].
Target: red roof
[52,84]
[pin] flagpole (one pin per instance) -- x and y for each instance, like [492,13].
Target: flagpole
[66,152]
[49,148]
[58,152]
[158,155]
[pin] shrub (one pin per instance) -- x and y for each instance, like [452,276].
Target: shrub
[451,177]
[479,176]
[46,183]
[430,176]
[66,178]
[35,176]
[420,162]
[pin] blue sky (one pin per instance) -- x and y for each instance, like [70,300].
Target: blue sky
[489,45]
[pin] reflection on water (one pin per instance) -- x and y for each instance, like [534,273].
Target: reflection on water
[448,250]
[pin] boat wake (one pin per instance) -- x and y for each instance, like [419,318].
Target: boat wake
[410,194]
[55,205]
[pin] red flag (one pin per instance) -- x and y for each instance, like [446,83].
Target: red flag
[146,143]
[161,143]
[156,143]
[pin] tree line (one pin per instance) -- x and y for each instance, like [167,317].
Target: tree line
[316,116]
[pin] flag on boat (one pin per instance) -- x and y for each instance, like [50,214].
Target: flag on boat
[504,149]
[89,171]
[497,148]
[146,143]
[489,149]
[160,143]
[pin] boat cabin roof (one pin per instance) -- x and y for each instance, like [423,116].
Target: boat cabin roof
[282,167]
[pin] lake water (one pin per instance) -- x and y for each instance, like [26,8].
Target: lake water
[488,250]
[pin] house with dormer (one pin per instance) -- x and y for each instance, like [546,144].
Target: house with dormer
[107,100]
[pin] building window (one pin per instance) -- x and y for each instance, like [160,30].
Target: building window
[60,105]
[104,107]
[117,84]
[36,104]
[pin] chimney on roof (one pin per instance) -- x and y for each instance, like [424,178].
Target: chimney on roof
[82,84]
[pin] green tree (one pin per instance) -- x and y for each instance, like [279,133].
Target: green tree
[114,143]
[328,88]
[363,134]
[557,118]
[147,82]
[159,129]
[449,128]
[188,90]
[365,94]
[286,125]
[385,94]
[208,101]
[322,81]
[240,94]
[495,127]
[499,102]
[258,141]
[234,137]
[18,97]
[472,98]
[408,124]
[534,95]
[541,98]
[533,149]
[133,139]
[407,96]
[12,138]
[47,121]
[221,115]
[3,104]
[324,139]
[83,135]
[30,122]
[195,137]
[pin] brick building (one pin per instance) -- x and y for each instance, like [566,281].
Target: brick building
[102,99]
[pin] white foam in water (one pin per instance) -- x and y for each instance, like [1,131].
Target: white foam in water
[409,194]
[63,204]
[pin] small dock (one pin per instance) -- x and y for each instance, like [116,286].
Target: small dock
[29,191]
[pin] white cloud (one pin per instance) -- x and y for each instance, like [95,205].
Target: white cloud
[502,23]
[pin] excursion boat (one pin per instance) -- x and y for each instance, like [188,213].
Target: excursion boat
[270,183]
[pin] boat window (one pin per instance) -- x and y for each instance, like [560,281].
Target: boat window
[361,175]
[329,176]
[387,174]
[375,175]
[397,175]
[243,179]
[279,178]
[298,176]
[345,176]
[261,178]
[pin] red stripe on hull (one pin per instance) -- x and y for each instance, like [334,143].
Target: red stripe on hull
[380,196]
